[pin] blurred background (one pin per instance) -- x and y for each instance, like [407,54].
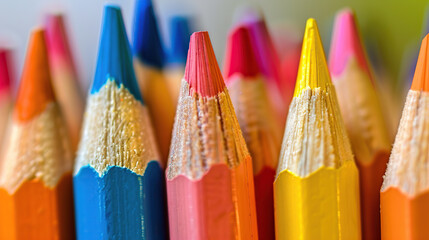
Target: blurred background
[392,30]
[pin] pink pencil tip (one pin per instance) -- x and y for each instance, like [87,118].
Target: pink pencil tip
[57,41]
[202,70]
[240,55]
[346,43]
[5,69]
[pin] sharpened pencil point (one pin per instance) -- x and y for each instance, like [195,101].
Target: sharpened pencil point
[180,33]
[35,90]
[240,56]
[421,78]
[202,70]
[147,44]
[313,70]
[114,55]
[5,69]
[346,43]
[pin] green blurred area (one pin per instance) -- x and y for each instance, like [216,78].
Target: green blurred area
[391,28]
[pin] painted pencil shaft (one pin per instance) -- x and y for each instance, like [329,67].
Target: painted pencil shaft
[35,179]
[257,121]
[404,196]
[119,184]
[149,62]
[64,76]
[209,175]
[316,191]
[362,114]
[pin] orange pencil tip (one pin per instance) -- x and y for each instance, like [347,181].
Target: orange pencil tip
[35,90]
[202,70]
[420,80]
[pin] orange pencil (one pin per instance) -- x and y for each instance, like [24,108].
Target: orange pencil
[35,180]
[64,76]
[210,188]
[261,131]
[404,195]
[362,114]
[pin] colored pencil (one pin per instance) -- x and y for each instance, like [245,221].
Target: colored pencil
[404,195]
[316,191]
[209,175]
[149,62]
[35,180]
[257,121]
[180,33]
[119,184]
[6,78]
[362,114]
[64,76]
[269,63]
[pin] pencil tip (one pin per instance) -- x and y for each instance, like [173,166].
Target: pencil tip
[114,54]
[240,57]
[313,70]
[147,45]
[346,43]
[35,90]
[421,78]
[5,69]
[202,70]
[180,33]
[56,39]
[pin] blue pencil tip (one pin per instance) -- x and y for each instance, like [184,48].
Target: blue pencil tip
[114,54]
[180,34]
[147,45]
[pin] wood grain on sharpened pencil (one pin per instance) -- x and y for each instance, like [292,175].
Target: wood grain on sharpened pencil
[362,114]
[269,62]
[180,33]
[64,76]
[316,191]
[257,120]
[119,184]
[149,61]
[35,183]
[209,175]
[405,192]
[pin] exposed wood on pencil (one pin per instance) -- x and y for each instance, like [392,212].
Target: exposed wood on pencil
[257,121]
[209,175]
[64,76]
[362,114]
[316,191]
[149,63]
[35,180]
[405,190]
[119,184]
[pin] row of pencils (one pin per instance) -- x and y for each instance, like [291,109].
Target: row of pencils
[197,153]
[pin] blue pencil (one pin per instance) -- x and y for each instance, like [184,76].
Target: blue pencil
[119,184]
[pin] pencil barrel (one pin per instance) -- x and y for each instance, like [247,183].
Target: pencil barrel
[120,204]
[220,205]
[404,217]
[323,205]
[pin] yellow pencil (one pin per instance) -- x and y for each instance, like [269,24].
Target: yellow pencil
[316,191]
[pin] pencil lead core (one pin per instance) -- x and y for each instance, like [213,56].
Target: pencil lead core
[346,43]
[421,78]
[313,70]
[35,90]
[147,44]
[202,70]
[240,55]
[114,55]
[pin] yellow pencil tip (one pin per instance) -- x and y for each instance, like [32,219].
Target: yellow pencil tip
[313,70]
